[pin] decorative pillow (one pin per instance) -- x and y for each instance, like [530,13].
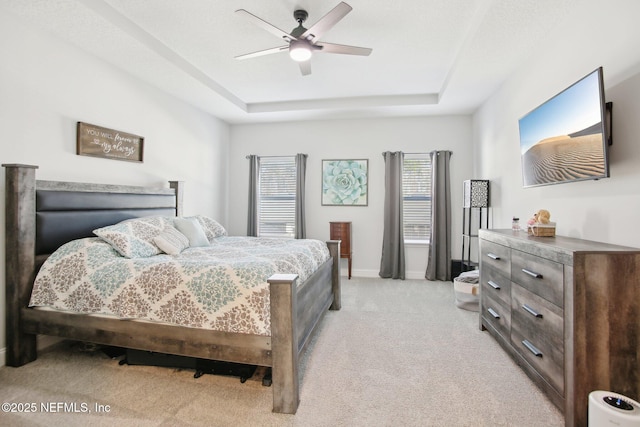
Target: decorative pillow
[133,238]
[191,228]
[171,241]
[211,227]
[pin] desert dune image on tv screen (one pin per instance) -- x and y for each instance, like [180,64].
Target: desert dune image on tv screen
[562,139]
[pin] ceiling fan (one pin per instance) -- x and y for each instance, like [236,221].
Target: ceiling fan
[302,42]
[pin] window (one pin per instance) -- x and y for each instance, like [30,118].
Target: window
[416,197]
[277,197]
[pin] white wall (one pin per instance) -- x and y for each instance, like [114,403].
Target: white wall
[47,86]
[604,210]
[352,139]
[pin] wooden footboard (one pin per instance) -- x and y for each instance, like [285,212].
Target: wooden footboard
[295,314]
[296,310]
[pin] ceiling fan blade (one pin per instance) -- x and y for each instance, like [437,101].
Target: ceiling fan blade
[263,52]
[266,26]
[326,22]
[344,49]
[305,67]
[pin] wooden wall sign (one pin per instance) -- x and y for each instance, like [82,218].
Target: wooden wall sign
[97,141]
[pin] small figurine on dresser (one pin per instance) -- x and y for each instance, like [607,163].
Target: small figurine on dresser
[540,225]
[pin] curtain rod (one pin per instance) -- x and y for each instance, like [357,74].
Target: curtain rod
[264,157]
[423,152]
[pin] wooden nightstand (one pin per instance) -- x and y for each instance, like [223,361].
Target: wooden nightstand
[342,231]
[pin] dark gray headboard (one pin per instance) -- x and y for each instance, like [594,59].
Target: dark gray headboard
[65,213]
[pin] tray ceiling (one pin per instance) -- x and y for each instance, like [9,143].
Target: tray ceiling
[429,56]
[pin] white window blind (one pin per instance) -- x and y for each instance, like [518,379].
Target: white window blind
[277,197]
[416,195]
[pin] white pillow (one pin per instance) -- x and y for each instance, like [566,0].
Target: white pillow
[171,241]
[133,238]
[191,228]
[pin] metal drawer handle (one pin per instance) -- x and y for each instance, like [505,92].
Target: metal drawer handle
[532,273]
[493,256]
[494,285]
[493,313]
[532,348]
[531,311]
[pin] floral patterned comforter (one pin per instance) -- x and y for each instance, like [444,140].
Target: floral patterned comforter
[221,287]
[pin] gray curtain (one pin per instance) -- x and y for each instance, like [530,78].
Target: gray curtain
[392,261]
[439,263]
[252,218]
[301,170]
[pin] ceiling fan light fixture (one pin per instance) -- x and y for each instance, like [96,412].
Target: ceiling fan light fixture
[302,42]
[299,51]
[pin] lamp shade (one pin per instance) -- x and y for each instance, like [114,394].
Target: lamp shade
[475,193]
[299,50]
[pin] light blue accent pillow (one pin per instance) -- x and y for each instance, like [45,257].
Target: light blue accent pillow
[191,228]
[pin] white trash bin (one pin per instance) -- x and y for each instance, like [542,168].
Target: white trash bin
[612,409]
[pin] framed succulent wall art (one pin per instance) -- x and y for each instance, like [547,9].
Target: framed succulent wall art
[345,182]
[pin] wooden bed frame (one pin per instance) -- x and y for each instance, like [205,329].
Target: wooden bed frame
[32,234]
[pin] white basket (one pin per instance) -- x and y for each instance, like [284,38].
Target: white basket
[467,295]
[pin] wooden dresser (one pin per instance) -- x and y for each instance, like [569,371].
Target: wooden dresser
[342,231]
[567,311]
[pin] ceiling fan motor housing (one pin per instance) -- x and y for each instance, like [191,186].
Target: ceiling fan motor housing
[300,15]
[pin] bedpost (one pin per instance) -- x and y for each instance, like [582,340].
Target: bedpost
[284,343]
[20,242]
[178,186]
[334,250]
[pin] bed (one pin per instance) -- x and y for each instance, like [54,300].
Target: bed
[42,216]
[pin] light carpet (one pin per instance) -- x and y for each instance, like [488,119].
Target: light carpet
[399,353]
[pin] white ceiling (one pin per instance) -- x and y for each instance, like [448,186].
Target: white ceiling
[429,56]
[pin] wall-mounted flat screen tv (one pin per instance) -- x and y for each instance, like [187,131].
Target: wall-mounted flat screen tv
[566,138]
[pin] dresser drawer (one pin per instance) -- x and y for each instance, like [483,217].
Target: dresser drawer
[337,233]
[495,256]
[537,332]
[496,314]
[495,285]
[539,275]
[341,231]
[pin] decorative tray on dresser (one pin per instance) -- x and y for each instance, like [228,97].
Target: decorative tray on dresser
[567,311]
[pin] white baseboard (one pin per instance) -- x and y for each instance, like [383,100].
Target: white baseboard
[361,273]
[413,275]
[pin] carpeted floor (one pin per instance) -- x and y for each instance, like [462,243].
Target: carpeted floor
[399,353]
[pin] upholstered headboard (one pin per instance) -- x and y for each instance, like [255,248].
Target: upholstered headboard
[65,215]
